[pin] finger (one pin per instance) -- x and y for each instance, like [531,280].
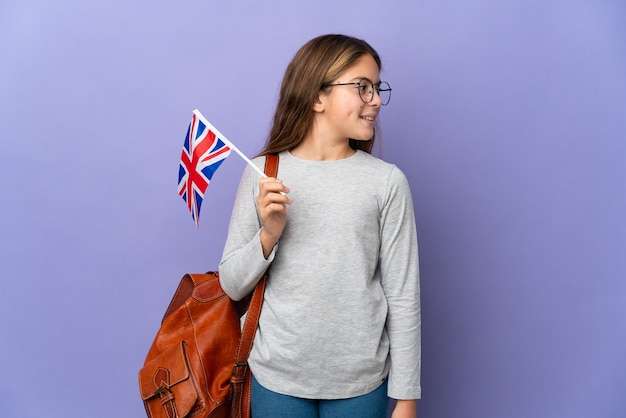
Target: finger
[276,208]
[274,197]
[281,198]
[272,184]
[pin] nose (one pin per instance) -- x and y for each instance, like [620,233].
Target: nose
[376,100]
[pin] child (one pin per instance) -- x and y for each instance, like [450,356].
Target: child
[340,325]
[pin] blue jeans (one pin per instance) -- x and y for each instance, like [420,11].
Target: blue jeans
[268,404]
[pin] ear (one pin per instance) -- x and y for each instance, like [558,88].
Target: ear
[319,105]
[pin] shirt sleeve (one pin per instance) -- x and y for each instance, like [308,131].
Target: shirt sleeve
[399,268]
[243,263]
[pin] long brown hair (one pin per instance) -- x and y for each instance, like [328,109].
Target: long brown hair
[319,61]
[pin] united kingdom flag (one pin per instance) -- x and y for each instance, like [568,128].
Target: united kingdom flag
[203,152]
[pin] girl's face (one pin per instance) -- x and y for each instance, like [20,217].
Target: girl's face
[346,115]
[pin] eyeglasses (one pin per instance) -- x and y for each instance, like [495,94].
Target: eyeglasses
[366,90]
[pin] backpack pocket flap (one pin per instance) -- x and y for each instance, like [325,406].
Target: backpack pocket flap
[168,378]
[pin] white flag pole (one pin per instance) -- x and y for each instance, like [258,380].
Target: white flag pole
[230,144]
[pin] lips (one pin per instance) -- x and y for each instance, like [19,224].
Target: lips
[370,118]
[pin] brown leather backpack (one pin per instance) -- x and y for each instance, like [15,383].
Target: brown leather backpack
[197,365]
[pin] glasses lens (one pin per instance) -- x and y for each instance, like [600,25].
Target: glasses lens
[384,91]
[366,90]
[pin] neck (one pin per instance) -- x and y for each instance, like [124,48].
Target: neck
[317,146]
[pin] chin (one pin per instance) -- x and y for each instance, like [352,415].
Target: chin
[366,137]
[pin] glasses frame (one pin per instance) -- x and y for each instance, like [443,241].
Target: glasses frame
[376,87]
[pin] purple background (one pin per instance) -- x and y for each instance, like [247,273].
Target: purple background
[509,119]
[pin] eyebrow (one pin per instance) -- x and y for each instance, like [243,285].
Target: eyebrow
[359,78]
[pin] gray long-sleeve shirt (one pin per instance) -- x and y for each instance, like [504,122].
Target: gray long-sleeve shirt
[341,307]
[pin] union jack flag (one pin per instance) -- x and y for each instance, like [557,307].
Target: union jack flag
[203,152]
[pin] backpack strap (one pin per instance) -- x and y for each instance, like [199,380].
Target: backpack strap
[241,403]
[254,309]
[271,165]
